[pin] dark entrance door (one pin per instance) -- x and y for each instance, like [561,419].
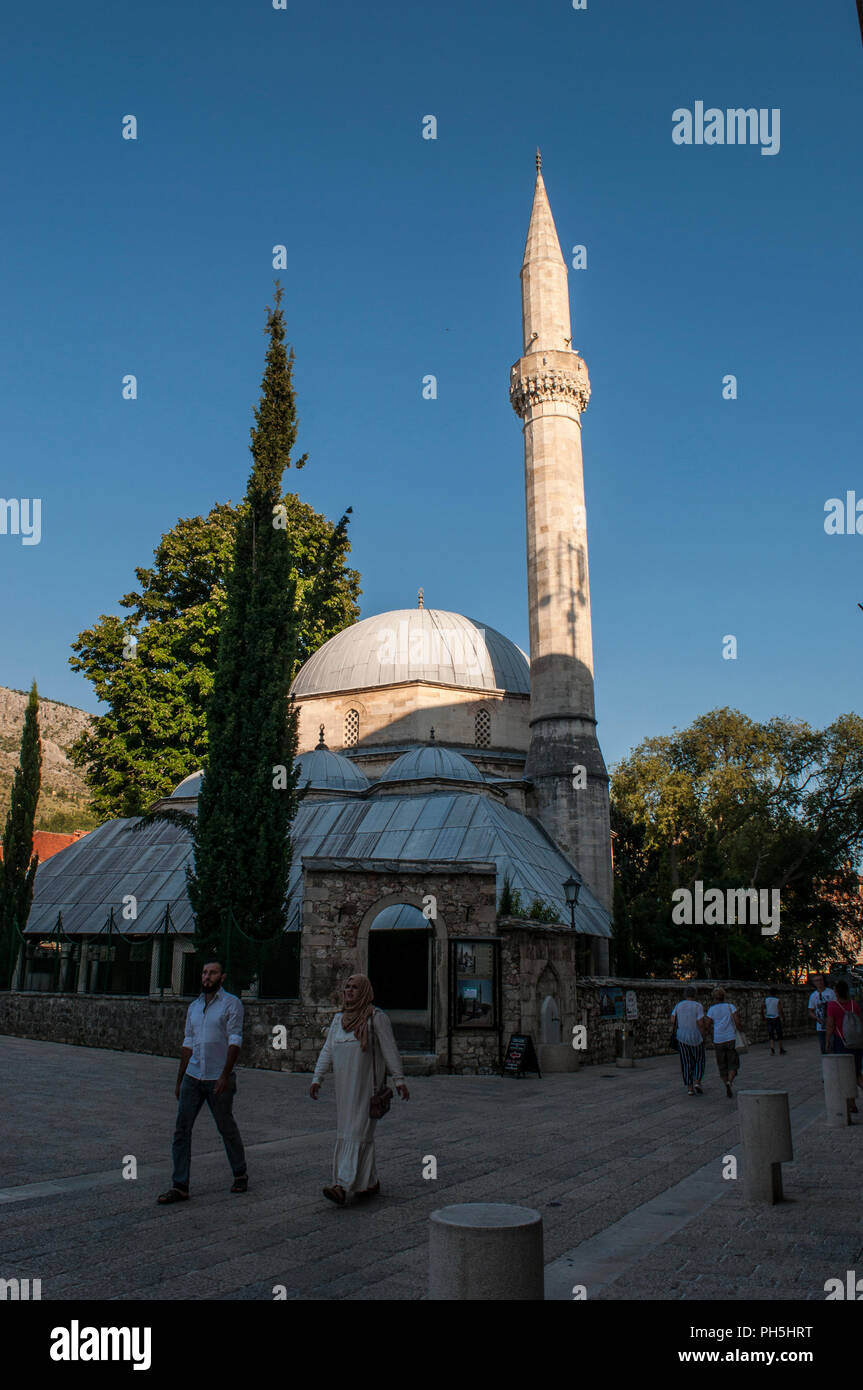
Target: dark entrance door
[400,972]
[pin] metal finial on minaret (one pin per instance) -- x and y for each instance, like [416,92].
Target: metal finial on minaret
[321,743]
[538,161]
[420,596]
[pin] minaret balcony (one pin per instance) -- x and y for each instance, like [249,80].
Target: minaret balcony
[550,376]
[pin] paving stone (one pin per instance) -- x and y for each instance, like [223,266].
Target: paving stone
[583,1150]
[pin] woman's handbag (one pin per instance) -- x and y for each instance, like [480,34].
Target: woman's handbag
[741,1042]
[381,1098]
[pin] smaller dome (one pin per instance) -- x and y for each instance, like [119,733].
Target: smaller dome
[430,762]
[189,787]
[329,771]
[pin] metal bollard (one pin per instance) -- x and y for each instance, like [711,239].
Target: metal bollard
[486,1251]
[765,1133]
[840,1087]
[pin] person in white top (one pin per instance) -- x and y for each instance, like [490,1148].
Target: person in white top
[361,1049]
[688,1018]
[771,1011]
[211,1044]
[723,1020]
[821,996]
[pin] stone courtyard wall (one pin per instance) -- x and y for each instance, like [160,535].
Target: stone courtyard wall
[156,1025]
[651,1032]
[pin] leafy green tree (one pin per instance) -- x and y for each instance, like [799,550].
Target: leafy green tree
[738,804]
[542,911]
[18,867]
[153,668]
[509,904]
[250,793]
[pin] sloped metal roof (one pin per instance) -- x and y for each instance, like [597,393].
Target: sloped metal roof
[118,860]
[84,880]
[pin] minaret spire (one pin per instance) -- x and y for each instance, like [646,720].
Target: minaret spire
[544,290]
[549,390]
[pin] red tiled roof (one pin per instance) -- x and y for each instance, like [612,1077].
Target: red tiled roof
[47,843]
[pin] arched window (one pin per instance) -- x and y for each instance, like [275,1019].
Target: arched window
[482,728]
[352,728]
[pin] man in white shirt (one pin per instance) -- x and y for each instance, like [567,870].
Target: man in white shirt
[211,1044]
[771,1010]
[818,1001]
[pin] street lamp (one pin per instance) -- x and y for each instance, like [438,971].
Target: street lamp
[571,890]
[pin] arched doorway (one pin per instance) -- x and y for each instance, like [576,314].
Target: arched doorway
[400,969]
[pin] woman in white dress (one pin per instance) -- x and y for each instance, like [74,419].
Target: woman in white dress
[348,1050]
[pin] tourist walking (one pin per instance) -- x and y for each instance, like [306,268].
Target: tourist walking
[211,1044]
[844,1028]
[771,1010]
[723,1021]
[361,1049]
[820,997]
[688,1017]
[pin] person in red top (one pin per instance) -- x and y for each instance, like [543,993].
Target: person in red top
[837,1012]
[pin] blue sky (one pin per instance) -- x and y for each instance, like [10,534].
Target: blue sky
[303,127]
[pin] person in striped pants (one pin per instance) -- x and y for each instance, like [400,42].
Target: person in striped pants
[688,1018]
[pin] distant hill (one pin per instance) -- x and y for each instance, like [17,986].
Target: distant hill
[64,804]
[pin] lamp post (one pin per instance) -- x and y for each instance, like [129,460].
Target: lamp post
[571,890]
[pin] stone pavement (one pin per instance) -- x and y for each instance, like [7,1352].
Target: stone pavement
[588,1150]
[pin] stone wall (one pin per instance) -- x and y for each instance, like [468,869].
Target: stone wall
[403,714]
[156,1025]
[651,1032]
[342,900]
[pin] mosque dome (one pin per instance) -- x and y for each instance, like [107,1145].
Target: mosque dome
[329,771]
[189,787]
[415,644]
[432,763]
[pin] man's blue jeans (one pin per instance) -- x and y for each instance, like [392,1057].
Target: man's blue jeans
[193,1093]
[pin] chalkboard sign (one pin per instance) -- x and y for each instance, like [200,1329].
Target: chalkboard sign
[520,1056]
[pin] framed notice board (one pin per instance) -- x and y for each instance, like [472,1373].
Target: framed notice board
[474,991]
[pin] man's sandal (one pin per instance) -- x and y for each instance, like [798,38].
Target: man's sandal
[241,1184]
[335,1194]
[174,1194]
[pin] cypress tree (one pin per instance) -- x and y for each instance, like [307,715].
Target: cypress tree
[18,869]
[250,795]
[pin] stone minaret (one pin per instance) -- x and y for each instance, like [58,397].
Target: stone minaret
[549,390]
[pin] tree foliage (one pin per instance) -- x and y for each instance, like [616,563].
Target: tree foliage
[154,730]
[19,863]
[738,804]
[250,793]
[510,904]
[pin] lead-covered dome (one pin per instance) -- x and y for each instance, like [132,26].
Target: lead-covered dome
[415,644]
[188,788]
[431,763]
[329,771]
